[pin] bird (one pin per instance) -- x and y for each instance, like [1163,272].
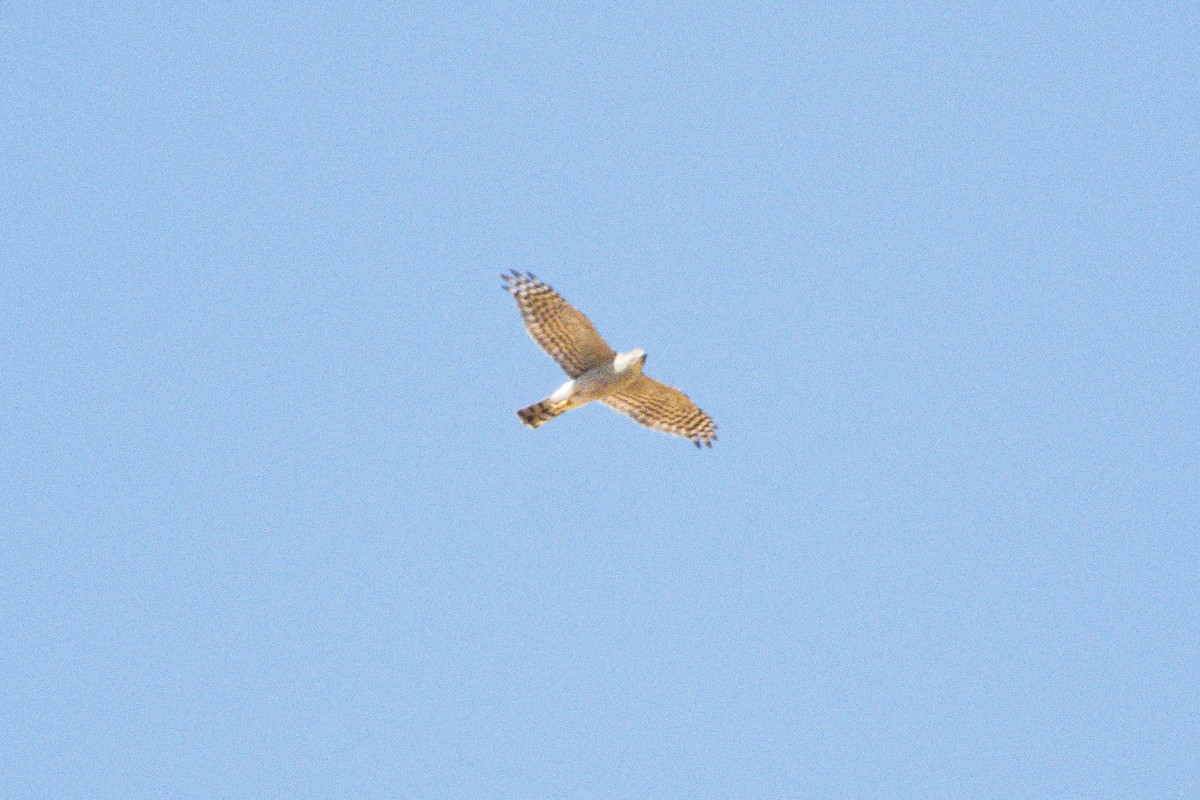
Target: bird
[596,371]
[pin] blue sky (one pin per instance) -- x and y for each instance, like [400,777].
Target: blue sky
[271,527]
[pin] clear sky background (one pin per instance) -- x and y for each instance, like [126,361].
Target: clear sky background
[271,527]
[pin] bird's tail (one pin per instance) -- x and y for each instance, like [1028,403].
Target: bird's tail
[542,412]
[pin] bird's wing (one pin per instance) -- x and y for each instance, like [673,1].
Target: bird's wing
[664,408]
[564,332]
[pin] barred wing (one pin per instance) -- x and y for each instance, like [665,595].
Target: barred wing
[566,334]
[663,408]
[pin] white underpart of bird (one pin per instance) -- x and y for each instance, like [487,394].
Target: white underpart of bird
[598,372]
[600,381]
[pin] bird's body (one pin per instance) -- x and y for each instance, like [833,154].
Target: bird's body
[595,384]
[597,371]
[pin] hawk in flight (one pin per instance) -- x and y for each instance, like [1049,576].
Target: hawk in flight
[598,372]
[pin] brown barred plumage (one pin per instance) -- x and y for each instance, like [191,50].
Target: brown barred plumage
[541,412]
[664,408]
[615,380]
[567,335]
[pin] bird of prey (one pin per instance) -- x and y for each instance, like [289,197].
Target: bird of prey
[598,372]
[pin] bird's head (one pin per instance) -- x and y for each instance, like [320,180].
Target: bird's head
[633,360]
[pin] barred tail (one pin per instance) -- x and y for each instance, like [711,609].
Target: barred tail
[539,413]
